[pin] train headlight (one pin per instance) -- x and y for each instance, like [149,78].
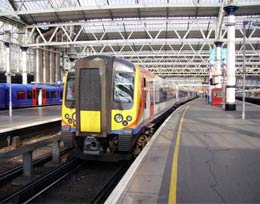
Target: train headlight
[118,118]
[67,116]
[74,116]
[129,118]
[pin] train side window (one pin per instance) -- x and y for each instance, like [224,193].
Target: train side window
[48,94]
[53,94]
[29,94]
[20,95]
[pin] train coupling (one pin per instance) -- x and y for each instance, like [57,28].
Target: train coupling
[91,146]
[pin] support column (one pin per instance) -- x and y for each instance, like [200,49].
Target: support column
[39,67]
[52,65]
[46,69]
[218,63]
[231,56]
[24,64]
[58,71]
[62,66]
[9,74]
[8,62]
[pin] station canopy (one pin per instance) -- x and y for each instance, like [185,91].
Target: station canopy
[172,38]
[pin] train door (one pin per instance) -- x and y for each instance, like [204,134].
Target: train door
[34,97]
[37,97]
[152,100]
[93,97]
[43,96]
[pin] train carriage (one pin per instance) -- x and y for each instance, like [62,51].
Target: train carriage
[109,104]
[2,96]
[30,95]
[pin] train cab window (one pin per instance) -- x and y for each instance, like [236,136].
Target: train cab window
[70,93]
[20,95]
[123,85]
[70,89]
[29,94]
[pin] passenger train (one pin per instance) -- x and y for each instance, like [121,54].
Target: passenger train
[109,106]
[30,95]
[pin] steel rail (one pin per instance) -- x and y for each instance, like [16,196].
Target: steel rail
[28,192]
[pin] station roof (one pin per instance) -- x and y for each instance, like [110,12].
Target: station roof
[168,37]
[50,11]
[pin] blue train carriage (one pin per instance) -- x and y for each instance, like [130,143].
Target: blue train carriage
[3,96]
[21,95]
[109,106]
[30,95]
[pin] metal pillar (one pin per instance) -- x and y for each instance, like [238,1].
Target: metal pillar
[46,67]
[218,63]
[24,64]
[39,63]
[231,69]
[244,70]
[211,86]
[57,67]
[9,74]
[44,78]
[52,65]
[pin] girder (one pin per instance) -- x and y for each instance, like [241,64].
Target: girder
[167,37]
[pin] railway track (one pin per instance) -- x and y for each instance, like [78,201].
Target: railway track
[59,183]
[10,174]
[28,192]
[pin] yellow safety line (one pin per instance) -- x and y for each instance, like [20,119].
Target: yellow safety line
[174,172]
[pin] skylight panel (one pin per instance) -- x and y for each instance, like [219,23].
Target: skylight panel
[5,6]
[93,2]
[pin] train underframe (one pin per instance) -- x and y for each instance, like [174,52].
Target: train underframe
[118,147]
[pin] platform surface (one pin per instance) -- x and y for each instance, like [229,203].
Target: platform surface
[217,159]
[27,117]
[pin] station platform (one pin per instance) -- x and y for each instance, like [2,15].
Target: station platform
[201,154]
[28,117]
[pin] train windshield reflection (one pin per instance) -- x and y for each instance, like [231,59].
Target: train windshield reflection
[123,87]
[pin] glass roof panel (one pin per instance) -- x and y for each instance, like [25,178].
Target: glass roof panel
[5,5]
[45,4]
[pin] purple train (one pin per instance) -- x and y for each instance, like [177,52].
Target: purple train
[30,95]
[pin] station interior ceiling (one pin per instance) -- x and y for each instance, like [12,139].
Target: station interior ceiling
[171,38]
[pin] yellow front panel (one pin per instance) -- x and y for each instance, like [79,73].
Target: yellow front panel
[90,121]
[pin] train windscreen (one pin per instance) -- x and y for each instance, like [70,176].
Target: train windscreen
[123,85]
[70,90]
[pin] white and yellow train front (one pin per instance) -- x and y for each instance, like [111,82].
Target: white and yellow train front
[111,104]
